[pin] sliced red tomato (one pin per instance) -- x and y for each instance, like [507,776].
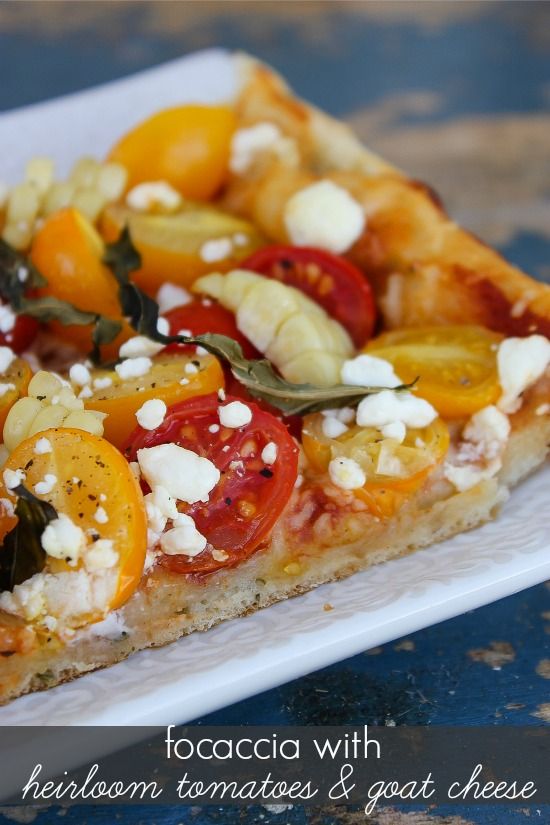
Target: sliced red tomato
[21,335]
[199,317]
[336,284]
[250,496]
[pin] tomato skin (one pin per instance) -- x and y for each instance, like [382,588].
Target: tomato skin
[22,335]
[200,317]
[187,146]
[336,284]
[247,501]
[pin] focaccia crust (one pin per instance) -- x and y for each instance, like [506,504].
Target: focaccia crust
[425,269]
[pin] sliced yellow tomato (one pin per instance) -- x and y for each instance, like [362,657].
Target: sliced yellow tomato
[122,398]
[170,245]
[17,378]
[456,366]
[187,146]
[87,469]
[68,252]
[392,470]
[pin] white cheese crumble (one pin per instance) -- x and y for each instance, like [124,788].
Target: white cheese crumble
[5,388]
[101,516]
[101,555]
[479,455]
[159,506]
[112,627]
[214,428]
[333,427]
[542,409]
[269,453]
[163,325]
[216,250]
[346,473]
[521,362]
[184,474]
[235,414]
[388,406]
[63,539]
[80,375]
[7,318]
[42,488]
[191,369]
[324,215]
[369,371]
[7,356]
[170,296]
[247,144]
[151,195]
[139,345]
[86,392]
[183,538]
[13,478]
[42,446]
[395,430]
[133,367]
[102,383]
[151,414]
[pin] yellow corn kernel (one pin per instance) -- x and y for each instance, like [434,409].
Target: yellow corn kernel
[52,415]
[66,398]
[23,205]
[58,196]
[39,172]
[90,202]
[85,420]
[44,385]
[111,181]
[18,235]
[84,173]
[19,421]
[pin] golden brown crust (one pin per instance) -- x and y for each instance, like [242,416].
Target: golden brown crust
[434,272]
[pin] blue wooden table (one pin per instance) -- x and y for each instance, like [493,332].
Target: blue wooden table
[409,77]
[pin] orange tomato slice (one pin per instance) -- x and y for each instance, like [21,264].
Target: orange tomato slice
[170,245]
[456,366]
[19,375]
[68,252]
[123,398]
[187,146]
[410,462]
[88,468]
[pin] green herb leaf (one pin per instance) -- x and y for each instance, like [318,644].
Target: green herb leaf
[258,376]
[18,274]
[22,554]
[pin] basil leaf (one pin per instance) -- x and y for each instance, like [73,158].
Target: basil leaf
[18,274]
[22,554]
[258,376]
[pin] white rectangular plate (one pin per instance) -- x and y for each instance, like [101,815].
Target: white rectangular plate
[206,671]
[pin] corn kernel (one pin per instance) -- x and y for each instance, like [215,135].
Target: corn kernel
[58,196]
[83,420]
[39,172]
[90,202]
[19,420]
[18,235]
[44,385]
[84,173]
[111,181]
[48,417]
[23,204]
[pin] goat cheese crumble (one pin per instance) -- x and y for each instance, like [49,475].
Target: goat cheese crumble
[235,414]
[521,362]
[324,215]
[151,414]
[184,474]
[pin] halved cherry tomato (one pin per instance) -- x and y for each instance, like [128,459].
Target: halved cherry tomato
[187,146]
[333,282]
[21,336]
[250,496]
[18,376]
[409,462]
[68,252]
[206,316]
[456,366]
[122,398]
[87,467]
[170,245]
